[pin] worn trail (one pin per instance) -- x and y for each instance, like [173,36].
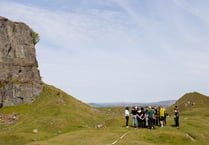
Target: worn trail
[117,140]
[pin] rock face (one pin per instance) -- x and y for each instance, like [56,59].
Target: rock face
[20,80]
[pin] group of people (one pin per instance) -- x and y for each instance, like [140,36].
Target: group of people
[148,117]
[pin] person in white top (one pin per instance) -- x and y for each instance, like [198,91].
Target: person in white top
[127,116]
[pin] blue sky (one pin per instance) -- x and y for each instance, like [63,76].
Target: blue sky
[119,50]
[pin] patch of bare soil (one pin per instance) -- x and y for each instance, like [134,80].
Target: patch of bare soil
[190,137]
[7,119]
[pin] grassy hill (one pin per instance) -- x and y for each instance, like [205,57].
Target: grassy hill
[62,120]
[191,101]
[53,113]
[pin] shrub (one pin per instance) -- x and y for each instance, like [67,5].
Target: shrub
[35,37]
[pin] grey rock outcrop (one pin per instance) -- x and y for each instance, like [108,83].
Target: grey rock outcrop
[20,80]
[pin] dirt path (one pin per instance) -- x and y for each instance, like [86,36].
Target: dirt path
[120,138]
[190,137]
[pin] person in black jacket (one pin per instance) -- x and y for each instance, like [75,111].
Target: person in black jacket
[176,116]
[134,119]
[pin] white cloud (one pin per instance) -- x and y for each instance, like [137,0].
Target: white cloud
[195,8]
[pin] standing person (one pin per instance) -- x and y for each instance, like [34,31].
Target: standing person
[156,116]
[162,116]
[134,112]
[127,116]
[176,116]
[150,114]
[138,113]
[142,121]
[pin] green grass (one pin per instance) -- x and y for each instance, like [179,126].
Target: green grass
[52,113]
[63,120]
[192,131]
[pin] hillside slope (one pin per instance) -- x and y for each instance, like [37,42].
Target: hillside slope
[191,101]
[54,112]
[56,118]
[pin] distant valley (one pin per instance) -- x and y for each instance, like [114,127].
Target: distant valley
[122,104]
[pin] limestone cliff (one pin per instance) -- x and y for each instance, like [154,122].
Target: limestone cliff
[20,80]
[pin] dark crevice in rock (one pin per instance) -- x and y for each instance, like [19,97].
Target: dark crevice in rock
[8,51]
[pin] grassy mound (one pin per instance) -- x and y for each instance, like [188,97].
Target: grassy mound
[191,101]
[53,113]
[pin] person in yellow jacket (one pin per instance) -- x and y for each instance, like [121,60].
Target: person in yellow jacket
[162,116]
